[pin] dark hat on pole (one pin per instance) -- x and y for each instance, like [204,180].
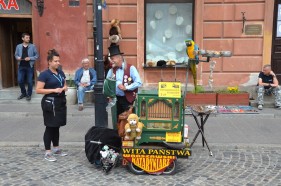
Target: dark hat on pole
[114,50]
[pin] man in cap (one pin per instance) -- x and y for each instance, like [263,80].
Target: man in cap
[127,79]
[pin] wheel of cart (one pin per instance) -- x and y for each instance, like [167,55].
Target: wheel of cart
[135,169]
[170,170]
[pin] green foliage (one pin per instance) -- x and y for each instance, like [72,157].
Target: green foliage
[70,82]
[198,89]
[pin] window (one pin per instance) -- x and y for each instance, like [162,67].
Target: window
[279,21]
[74,3]
[168,24]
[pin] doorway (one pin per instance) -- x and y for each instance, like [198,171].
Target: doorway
[10,35]
[276,41]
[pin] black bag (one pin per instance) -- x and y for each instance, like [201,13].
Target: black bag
[103,135]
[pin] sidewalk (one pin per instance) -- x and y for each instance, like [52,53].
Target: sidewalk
[22,125]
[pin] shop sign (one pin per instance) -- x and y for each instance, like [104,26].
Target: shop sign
[169,89]
[157,152]
[15,7]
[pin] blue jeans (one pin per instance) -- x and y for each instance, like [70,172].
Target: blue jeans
[25,72]
[81,93]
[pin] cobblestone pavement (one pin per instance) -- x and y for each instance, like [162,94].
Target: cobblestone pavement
[230,165]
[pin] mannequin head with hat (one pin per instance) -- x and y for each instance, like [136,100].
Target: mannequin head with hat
[115,56]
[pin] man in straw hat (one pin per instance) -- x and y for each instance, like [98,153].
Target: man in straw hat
[127,79]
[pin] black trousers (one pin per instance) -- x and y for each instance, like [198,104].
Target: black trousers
[52,134]
[122,105]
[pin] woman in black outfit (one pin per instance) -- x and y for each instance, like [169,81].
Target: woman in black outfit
[52,84]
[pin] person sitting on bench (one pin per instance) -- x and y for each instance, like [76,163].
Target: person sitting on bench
[85,79]
[268,85]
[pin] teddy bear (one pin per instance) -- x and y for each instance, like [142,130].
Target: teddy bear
[114,32]
[133,128]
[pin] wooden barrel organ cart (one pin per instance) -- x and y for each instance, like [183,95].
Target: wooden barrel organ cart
[162,139]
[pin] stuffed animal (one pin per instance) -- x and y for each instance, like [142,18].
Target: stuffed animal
[133,128]
[109,158]
[114,32]
[104,152]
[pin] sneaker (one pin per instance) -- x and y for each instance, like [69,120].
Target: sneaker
[80,108]
[21,96]
[28,98]
[59,152]
[278,107]
[260,107]
[50,157]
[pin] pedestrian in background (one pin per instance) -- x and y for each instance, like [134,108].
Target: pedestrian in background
[85,79]
[52,84]
[26,54]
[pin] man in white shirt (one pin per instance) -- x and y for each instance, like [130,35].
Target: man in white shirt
[85,79]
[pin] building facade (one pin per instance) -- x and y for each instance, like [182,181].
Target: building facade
[151,30]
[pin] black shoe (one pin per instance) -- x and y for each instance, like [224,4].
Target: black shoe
[28,98]
[21,96]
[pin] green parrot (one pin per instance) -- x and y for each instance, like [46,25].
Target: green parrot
[191,49]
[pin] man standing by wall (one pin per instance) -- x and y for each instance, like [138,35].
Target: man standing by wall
[26,54]
[85,79]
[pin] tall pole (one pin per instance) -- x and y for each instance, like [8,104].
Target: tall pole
[101,118]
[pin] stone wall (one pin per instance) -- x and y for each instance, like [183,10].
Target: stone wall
[217,26]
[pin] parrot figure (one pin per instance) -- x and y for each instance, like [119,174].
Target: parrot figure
[191,51]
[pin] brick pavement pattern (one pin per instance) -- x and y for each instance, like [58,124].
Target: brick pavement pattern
[230,165]
[246,148]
